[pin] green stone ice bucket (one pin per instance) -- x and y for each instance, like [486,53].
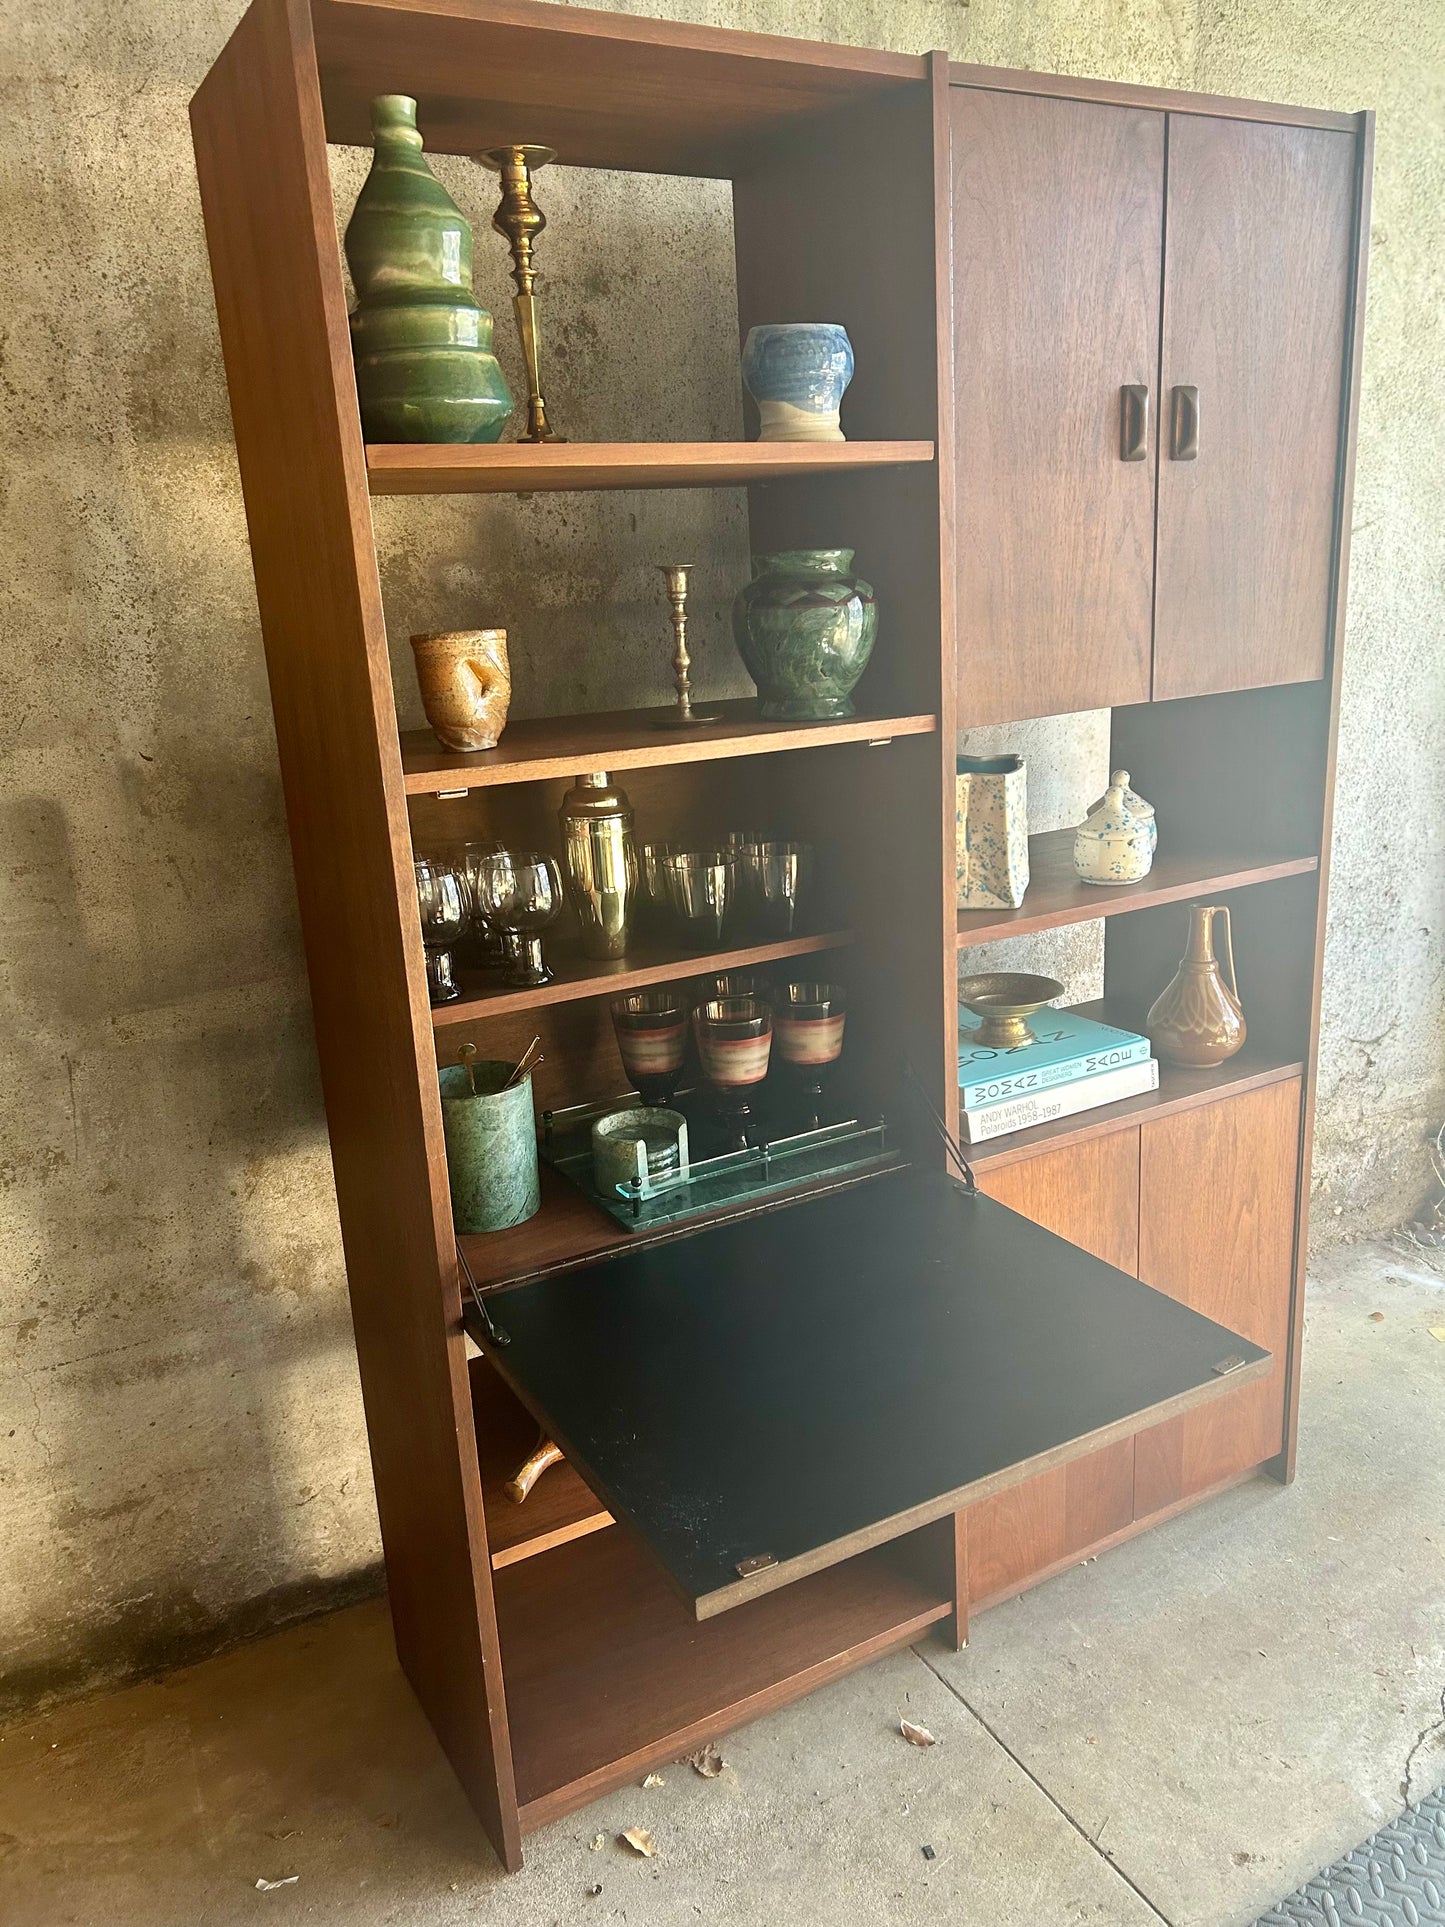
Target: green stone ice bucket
[491,1146]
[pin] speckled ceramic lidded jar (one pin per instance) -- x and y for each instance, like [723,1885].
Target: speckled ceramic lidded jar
[425,371]
[491,1139]
[805,627]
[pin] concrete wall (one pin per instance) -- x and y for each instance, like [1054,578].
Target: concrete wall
[181,1447]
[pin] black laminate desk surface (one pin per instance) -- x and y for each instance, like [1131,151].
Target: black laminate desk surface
[769,1396]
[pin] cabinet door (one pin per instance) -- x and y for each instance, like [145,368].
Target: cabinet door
[1256,283]
[1058,212]
[1216,1231]
[1089,1194]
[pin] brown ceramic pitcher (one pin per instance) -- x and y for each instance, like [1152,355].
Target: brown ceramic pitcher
[1197,1019]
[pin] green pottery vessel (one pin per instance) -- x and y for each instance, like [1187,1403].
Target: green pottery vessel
[425,371]
[491,1140]
[805,627]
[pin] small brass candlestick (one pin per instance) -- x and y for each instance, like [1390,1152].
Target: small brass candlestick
[519,220]
[684,716]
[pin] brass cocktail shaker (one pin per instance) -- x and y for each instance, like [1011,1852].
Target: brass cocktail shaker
[599,862]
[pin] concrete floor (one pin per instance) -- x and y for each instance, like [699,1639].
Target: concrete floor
[1181,1731]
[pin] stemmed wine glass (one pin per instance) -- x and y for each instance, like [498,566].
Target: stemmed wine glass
[485,939]
[734,1041]
[442,903]
[651,1027]
[809,1022]
[521,893]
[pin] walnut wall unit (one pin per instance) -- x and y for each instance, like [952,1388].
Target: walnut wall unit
[1033,246]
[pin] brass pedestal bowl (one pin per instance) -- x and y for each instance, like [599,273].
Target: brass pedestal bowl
[1005,1000]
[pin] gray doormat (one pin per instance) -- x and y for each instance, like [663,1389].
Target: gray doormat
[1396,1879]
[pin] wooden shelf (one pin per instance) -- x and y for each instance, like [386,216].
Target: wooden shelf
[1056,896]
[597,1696]
[509,468]
[559,1508]
[629,92]
[546,747]
[1180,1089]
[579,976]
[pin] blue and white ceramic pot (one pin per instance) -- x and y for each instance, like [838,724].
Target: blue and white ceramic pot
[796,372]
[805,627]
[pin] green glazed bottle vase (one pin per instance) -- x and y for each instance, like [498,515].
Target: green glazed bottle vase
[425,371]
[805,627]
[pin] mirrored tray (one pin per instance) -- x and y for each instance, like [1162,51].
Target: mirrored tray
[783,1159]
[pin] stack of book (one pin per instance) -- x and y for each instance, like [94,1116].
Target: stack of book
[1073,1065]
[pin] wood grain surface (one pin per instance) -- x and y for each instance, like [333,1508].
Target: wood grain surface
[270,228]
[1256,292]
[1217,1231]
[401,468]
[1058,211]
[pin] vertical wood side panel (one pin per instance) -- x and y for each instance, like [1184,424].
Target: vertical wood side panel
[1284,1466]
[261,160]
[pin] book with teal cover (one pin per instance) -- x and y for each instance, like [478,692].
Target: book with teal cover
[1067,1047]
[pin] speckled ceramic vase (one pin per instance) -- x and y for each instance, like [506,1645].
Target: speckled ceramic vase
[805,627]
[425,371]
[491,1146]
[991,854]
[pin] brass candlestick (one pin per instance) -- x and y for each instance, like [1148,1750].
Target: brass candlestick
[519,220]
[685,715]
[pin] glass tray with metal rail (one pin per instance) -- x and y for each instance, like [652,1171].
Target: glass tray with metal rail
[784,1158]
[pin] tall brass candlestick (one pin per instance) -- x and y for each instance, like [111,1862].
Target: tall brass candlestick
[519,220]
[676,574]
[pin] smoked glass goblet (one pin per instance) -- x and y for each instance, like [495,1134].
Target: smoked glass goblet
[651,1027]
[442,904]
[521,893]
[809,1021]
[777,888]
[734,1042]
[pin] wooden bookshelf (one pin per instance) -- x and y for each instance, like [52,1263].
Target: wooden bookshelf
[516,468]
[549,1652]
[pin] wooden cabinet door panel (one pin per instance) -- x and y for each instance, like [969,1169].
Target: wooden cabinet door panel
[1256,287]
[1216,1231]
[1089,1194]
[1058,218]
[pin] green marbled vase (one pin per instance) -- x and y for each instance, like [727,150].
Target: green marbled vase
[425,371]
[805,627]
[491,1147]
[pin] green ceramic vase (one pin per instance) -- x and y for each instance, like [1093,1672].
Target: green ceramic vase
[425,371]
[805,627]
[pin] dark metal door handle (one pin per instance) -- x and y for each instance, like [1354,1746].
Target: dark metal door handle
[1133,422]
[1183,424]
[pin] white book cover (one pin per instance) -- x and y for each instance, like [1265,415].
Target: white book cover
[1064,1100]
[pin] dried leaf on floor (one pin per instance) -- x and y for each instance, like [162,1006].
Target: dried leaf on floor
[270,1886]
[640,1841]
[1377,1318]
[654,1779]
[599,1841]
[707,1761]
[916,1735]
